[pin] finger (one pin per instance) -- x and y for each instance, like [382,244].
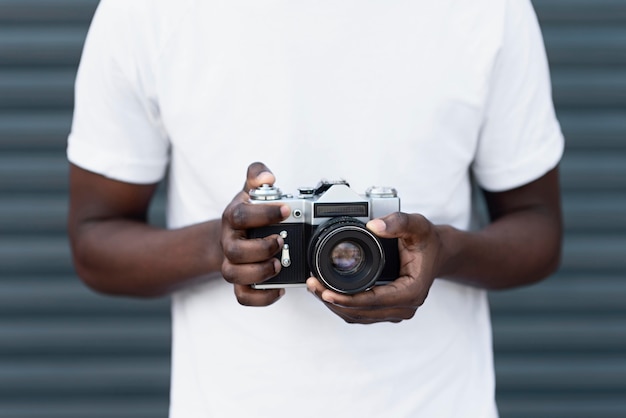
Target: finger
[258,174]
[401,225]
[238,250]
[247,274]
[399,293]
[326,295]
[243,215]
[248,296]
[355,316]
[360,315]
[315,286]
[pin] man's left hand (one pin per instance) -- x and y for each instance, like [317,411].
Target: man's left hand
[420,255]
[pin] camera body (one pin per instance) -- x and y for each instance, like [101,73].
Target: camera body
[325,236]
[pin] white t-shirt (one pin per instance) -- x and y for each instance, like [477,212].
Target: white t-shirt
[419,95]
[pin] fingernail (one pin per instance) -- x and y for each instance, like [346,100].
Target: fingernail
[327,297]
[276,266]
[265,177]
[376,225]
[285,211]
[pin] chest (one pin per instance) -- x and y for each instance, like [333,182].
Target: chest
[371,91]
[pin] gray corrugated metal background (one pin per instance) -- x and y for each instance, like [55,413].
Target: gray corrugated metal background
[561,345]
[66,352]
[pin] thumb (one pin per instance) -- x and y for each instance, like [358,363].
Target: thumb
[378,227]
[400,225]
[258,175]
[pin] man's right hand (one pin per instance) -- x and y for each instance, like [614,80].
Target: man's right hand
[248,261]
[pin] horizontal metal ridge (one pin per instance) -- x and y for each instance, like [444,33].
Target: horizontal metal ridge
[81,406]
[37,214]
[44,298]
[40,131]
[593,172]
[589,87]
[34,131]
[567,405]
[47,11]
[571,11]
[562,373]
[585,45]
[47,213]
[36,255]
[76,337]
[593,129]
[33,172]
[563,296]
[600,254]
[53,88]
[20,172]
[61,45]
[102,376]
[595,212]
[580,11]
[539,336]
[41,46]
[37,88]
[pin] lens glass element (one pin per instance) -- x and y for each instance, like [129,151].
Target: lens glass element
[346,257]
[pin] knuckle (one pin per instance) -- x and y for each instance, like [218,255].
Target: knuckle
[249,297]
[238,215]
[403,220]
[228,212]
[242,296]
[408,314]
[355,319]
[420,299]
[231,252]
[227,272]
[271,246]
[270,269]
[244,300]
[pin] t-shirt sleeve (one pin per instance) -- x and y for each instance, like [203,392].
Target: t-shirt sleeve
[116,129]
[520,139]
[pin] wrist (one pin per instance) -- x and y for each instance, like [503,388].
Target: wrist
[211,252]
[216,254]
[450,248]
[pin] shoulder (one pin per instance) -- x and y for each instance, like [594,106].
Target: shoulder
[145,7]
[131,33]
[148,21]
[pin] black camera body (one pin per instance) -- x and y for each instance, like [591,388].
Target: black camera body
[325,236]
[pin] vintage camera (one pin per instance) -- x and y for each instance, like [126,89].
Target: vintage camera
[325,235]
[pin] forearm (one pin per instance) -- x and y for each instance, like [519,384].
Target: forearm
[517,249]
[129,257]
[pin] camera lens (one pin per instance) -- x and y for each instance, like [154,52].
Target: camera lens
[345,256]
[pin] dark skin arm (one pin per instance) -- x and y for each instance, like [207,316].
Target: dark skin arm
[521,245]
[115,251]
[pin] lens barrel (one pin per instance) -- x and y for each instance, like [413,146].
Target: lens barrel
[345,255]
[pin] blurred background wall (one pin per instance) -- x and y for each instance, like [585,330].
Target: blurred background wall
[67,352]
